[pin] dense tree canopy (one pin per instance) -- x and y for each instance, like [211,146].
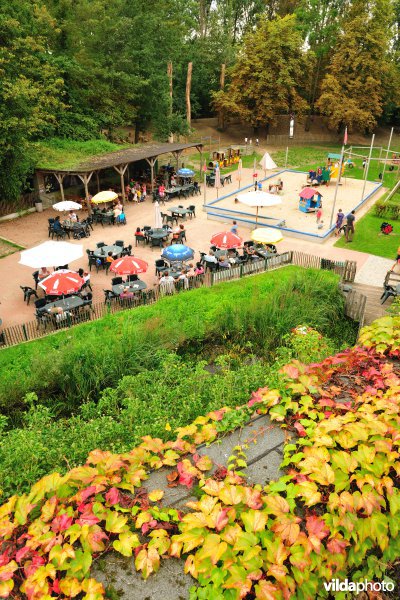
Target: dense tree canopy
[82,68]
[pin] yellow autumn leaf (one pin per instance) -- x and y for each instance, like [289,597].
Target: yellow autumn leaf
[276,505]
[94,589]
[147,561]
[156,495]
[126,542]
[325,475]
[231,494]
[254,520]
[308,490]
[70,587]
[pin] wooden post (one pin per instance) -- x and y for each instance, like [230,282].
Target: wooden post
[151,162]
[188,87]
[176,154]
[169,72]
[98,181]
[60,177]
[221,86]
[85,178]
[121,170]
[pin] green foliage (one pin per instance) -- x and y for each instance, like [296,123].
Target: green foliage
[334,514]
[353,91]
[266,79]
[67,369]
[388,209]
[30,91]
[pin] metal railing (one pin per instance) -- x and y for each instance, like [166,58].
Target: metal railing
[48,324]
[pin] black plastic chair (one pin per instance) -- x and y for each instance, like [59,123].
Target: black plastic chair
[119,243]
[40,303]
[108,296]
[132,278]
[191,210]
[128,250]
[35,276]
[28,293]
[388,291]
[100,244]
[161,266]
[116,280]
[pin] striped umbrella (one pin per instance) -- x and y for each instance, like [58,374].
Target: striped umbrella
[226,240]
[128,265]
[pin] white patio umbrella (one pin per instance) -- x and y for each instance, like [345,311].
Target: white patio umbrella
[66,205]
[217,183]
[259,199]
[107,196]
[239,172]
[51,254]
[157,216]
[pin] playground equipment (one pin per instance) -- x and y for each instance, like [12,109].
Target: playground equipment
[227,156]
[310,200]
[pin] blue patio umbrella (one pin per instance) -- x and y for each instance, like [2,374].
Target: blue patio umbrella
[177,252]
[186,173]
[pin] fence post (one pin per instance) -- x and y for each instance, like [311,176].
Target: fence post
[25,332]
[241,271]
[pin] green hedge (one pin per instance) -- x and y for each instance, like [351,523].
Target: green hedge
[387,210]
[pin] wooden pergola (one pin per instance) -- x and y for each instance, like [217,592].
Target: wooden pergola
[120,162]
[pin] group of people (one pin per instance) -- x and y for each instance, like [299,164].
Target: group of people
[136,191]
[348,226]
[167,282]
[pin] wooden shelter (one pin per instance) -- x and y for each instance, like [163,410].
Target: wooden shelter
[119,161]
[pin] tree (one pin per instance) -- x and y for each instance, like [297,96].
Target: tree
[267,77]
[30,89]
[353,90]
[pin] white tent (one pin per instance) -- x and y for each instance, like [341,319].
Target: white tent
[267,163]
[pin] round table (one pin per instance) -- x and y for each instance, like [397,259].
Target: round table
[158,234]
[103,252]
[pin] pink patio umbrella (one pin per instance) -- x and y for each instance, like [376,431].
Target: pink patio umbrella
[226,240]
[128,265]
[62,283]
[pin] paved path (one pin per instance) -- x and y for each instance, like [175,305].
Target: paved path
[264,455]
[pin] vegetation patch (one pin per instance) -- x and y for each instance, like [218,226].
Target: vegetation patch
[63,153]
[333,515]
[7,247]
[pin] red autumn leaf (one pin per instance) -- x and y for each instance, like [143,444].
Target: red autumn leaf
[220,473]
[300,429]
[56,586]
[291,371]
[217,415]
[253,498]
[149,525]
[112,496]
[326,402]
[317,530]
[328,413]
[336,546]
[32,566]
[89,491]
[22,552]
[5,557]
[222,519]
[88,517]
[61,523]
[187,473]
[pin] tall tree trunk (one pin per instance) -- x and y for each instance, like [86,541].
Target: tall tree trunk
[188,88]
[137,132]
[221,119]
[169,72]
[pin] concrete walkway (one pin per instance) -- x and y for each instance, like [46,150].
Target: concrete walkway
[264,455]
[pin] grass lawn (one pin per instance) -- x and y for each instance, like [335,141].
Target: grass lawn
[368,238]
[305,158]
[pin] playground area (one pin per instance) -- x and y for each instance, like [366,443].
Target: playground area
[287,215]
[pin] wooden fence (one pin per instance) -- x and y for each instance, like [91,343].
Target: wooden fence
[48,324]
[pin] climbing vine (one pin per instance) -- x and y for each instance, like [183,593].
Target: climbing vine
[335,512]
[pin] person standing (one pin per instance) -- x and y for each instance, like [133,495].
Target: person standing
[339,221]
[234,228]
[319,214]
[350,226]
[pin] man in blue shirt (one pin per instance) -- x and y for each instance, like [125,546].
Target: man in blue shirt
[234,228]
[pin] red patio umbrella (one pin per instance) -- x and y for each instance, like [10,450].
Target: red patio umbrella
[226,240]
[128,265]
[62,283]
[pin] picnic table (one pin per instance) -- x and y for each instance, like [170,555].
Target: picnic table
[179,212]
[134,287]
[103,252]
[157,234]
[179,189]
[67,304]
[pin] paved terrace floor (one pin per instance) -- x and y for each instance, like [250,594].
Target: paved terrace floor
[31,230]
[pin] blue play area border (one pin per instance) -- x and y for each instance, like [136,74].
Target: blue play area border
[238,214]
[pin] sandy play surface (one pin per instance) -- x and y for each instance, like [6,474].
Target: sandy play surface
[348,197]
